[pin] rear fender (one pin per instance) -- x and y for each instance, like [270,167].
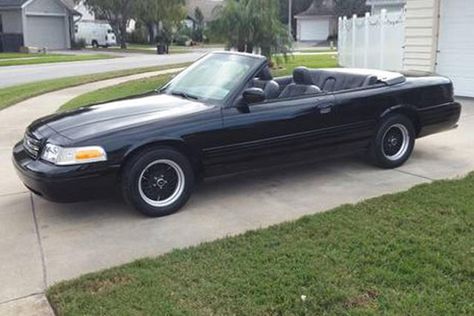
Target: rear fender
[408,110]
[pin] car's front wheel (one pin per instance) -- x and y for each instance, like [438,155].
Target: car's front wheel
[158,181]
[393,142]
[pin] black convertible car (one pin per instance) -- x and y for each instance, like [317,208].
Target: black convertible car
[226,109]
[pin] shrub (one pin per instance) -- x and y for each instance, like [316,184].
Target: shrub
[137,36]
[78,43]
[182,40]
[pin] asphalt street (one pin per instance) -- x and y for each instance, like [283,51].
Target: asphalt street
[14,75]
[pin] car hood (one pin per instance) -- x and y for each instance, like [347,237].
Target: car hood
[117,115]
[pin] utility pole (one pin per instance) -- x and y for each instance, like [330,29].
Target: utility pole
[290,17]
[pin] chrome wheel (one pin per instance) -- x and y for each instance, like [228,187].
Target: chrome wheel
[395,142]
[161,183]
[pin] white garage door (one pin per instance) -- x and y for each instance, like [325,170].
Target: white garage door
[455,58]
[46,31]
[314,30]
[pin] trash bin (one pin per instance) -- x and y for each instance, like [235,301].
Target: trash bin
[160,49]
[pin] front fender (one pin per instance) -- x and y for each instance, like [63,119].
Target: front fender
[193,154]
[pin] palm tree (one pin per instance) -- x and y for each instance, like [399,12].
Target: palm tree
[249,25]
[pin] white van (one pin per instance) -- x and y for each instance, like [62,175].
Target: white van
[95,33]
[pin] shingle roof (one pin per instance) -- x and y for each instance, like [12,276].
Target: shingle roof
[16,4]
[207,8]
[325,8]
[11,3]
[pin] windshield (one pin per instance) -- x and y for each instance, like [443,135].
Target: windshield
[212,78]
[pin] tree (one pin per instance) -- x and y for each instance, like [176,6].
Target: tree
[199,30]
[247,25]
[116,12]
[350,7]
[297,6]
[199,16]
[164,14]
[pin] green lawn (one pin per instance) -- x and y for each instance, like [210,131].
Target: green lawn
[134,87]
[15,94]
[14,55]
[410,253]
[315,50]
[30,59]
[284,68]
[146,85]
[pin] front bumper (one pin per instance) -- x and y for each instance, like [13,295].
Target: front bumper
[65,183]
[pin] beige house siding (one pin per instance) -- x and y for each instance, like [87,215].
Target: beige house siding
[421,34]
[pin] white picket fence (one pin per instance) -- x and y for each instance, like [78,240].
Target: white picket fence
[372,41]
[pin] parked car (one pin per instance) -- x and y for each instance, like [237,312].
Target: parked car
[223,110]
[95,33]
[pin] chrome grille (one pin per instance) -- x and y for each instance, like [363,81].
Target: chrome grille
[31,145]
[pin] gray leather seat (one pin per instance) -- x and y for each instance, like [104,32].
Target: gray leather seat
[330,81]
[302,84]
[265,82]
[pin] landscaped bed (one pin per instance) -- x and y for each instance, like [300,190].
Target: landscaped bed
[17,59]
[409,253]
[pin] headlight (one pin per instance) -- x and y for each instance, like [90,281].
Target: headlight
[72,156]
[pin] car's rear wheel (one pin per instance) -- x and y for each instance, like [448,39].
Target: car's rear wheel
[158,182]
[393,142]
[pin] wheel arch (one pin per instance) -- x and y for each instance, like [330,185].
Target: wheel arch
[176,144]
[406,110]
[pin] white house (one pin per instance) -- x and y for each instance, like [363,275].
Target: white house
[35,23]
[376,6]
[317,23]
[428,35]
[438,39]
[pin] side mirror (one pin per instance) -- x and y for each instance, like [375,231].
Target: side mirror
[253,95]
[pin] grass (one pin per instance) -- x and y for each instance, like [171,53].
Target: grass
[14,55]
[15,94]
[31,59]
[315,50]
[410,253]
[284,68]
[146,85]
[134,87]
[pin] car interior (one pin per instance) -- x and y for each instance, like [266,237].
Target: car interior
[305,81]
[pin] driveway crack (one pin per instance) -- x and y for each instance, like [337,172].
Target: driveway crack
[40,244]
[20,298]
[414,174]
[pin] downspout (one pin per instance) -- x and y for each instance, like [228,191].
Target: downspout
[436,28]
[23,26]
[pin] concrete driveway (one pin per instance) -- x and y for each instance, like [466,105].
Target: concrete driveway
[13,75]
[42,242]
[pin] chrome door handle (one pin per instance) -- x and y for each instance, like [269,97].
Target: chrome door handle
[324,108]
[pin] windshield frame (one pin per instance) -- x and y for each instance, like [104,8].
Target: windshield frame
[259,61]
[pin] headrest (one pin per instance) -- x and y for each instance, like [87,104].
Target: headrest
[265,74]
[301,75]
